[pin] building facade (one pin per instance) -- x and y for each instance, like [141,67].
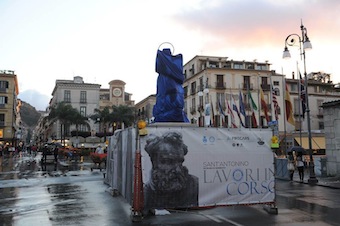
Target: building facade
[331,111]
[144,108]
[214,82]
[86,98]
[320,90]
[115,95]
[10,131]
[80,95]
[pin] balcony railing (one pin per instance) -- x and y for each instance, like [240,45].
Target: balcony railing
[265,87]
[245,86]
[220,85]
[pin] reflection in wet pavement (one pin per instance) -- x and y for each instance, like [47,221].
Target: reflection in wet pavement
[51,194]
[7,199]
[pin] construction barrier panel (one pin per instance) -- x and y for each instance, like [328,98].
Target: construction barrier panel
[185,167]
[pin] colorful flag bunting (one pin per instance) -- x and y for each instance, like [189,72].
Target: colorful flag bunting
[237,111]
[231,113]
[289,108]
[264,106]
[276,105]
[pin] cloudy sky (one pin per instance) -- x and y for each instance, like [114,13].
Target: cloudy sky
[103,40]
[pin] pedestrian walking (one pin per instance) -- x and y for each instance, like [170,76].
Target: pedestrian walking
[291,165]
[44,151]
[300,165]
[55,153]
[99,150]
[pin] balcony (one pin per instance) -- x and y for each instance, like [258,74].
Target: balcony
[265,87]
[220,85]
[245,86]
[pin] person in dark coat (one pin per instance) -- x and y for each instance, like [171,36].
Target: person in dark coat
[55,153]
[44,151]
[170,183]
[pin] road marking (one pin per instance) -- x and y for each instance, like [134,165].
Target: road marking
[229,221]
[220,219]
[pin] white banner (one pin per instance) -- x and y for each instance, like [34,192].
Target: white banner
[187,167]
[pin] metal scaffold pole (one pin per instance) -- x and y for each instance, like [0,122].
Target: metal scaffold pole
[138,195]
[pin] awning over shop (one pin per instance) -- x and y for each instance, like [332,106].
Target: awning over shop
[317,142]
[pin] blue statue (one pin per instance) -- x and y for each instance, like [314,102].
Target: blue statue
[170,93]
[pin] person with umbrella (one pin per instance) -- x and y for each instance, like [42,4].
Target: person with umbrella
[300,165]
[291,165]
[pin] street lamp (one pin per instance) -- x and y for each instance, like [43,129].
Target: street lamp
[304,44]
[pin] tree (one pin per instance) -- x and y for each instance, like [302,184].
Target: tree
[76,118]
[102,117]
[122,115]
[67,115]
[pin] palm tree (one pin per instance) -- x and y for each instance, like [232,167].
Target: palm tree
[122,115]
[77,119]
[66,114]
[102,117]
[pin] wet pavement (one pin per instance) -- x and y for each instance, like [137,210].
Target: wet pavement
[70,193]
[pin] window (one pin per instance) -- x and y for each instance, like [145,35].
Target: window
[321,125]
[193,106]
[220,82]
[83,110]
[193,88]
[2,119]
[185,88]
[82,96]
[246,82]
[293,87]
[3,100]
[67,96]
[192,69]
[238,66]
[261,67]
[227,65]
[250,66]
[201,86]
[320,109]
[200,102]
[3,86]
[264,84]
[276,83]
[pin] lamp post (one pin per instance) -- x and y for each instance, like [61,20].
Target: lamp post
[304,44]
